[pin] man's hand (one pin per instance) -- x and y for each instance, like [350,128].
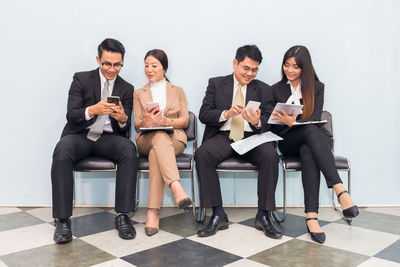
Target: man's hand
[233,111]
[118,113]
[101,108]
[282,116]
[251,116]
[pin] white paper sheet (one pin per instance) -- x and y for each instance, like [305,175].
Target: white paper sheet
[247,144]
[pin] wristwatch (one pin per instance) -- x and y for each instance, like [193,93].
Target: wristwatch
[126,119]
[171,122]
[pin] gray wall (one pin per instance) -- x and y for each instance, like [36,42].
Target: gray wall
[354,46]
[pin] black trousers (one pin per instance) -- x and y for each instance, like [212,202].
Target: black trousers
[215,150]
[74,147]
[313,146]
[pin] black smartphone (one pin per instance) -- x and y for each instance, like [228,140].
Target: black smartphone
[113,99]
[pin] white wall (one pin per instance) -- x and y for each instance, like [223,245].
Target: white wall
[354,46]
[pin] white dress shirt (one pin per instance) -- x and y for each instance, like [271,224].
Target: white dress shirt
[107,123]
[296,94]
[227,124]
[159,93]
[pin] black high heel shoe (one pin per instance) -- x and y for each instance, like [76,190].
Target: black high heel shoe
[317,237]
[349,212]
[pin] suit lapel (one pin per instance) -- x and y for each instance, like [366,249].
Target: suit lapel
[117,87]
[96,84]
[146,96]
[228,90]
[171,94]
[251,93]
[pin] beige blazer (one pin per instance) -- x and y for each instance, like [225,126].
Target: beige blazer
[176,107]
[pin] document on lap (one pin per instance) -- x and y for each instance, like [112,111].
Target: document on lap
[288,108]
[247,144]
[168,129]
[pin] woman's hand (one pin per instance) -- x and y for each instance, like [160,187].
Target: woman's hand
[282,116]
[153,118]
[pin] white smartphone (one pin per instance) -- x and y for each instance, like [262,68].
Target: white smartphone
[253,104]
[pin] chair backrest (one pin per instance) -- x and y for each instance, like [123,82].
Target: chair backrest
[191,129]
[326,115]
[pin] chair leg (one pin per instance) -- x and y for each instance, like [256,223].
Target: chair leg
[74,197]
[336,207]
[275,215]
[193,195]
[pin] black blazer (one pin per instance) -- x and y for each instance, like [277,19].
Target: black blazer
[281,92]
[219,97]
[86,91]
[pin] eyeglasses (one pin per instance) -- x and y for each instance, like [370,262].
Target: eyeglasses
[247,69]
[108,65]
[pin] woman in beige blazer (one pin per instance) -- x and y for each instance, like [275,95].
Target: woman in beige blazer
[161,147]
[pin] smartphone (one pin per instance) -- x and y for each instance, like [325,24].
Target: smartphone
[113,99]
[151,105]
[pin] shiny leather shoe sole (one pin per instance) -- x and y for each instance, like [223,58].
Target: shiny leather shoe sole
[62,240]
[272,234]
[205,234]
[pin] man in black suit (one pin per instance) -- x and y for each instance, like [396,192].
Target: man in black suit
[96,128]
[227,120]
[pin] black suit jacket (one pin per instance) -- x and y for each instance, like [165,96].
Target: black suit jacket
[281,92]
[86,91]
[219,97]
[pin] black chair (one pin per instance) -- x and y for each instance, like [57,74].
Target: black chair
[293,164]
[184,161]
[99,164]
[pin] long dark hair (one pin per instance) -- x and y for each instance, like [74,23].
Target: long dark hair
[308,76]
[161,56]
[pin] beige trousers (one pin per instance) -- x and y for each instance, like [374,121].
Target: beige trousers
[161,150]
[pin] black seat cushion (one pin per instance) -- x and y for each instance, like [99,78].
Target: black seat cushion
[94,164]
[183,161]
[293,163]
[236,163]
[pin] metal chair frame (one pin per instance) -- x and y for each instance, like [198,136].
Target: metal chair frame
[325,115]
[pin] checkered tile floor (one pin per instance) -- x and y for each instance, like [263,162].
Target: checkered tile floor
[26,240]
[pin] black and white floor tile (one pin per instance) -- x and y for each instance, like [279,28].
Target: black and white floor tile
[26,239]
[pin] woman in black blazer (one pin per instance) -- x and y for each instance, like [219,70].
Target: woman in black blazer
[300,85]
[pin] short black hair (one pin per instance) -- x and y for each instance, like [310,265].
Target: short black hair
[250,51]
[111,45]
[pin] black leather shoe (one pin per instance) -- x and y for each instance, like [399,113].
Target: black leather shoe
[266,224]
[216,223]
[63,233]
[349,212]
[124,226]
[317,237]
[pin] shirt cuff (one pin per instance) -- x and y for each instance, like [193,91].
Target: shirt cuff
[258,126]
[121,125]
[87,114]
[222,117]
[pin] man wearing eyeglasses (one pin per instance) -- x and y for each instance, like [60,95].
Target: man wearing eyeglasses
[97,127]
[228,120]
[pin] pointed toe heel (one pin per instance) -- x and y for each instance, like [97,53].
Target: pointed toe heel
[184,203]
[316,237]
[150,231]
[349,212]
